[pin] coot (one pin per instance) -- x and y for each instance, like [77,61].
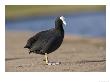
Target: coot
[47,41]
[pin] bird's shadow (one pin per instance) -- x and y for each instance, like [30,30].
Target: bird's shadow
[90,61]
[63,62]
[82,62]
[9,59]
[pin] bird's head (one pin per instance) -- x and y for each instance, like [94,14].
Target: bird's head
[60,21]
[63,20]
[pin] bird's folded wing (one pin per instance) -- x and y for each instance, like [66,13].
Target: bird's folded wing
[51,42]
[32,40]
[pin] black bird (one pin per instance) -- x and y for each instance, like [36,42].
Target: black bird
[47,41]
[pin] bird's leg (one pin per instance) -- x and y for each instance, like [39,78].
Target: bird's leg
[46,59]
[50,63]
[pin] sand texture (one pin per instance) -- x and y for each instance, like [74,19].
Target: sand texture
[76,54]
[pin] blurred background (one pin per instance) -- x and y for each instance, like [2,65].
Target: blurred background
[82,20]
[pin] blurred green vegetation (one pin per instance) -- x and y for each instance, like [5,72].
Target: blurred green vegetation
[14,11]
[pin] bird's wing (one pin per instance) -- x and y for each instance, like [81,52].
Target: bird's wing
[32,40]
[44,44]
[51,42]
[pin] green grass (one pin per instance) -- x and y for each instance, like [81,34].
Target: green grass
[12,11]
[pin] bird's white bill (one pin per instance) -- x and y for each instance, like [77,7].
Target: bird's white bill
[63,19]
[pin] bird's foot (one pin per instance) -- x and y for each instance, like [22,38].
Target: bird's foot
[53,63]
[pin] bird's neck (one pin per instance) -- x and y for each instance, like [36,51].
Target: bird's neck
[60,28]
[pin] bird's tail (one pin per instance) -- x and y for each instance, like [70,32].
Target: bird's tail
[27,46]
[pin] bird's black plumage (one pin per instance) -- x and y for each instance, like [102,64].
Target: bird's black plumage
[47,41]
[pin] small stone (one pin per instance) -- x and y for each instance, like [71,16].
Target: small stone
[57,63]
[53,63]
[49,64]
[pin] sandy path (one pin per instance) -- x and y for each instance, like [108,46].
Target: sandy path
[76,54]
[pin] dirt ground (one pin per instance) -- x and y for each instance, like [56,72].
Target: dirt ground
[76,54]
